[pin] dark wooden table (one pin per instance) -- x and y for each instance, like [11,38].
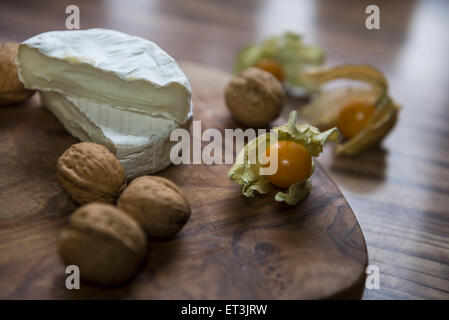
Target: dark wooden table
[399,193]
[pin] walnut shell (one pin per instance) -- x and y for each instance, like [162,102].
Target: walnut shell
[107,245]
[157,204]
[255,97]
[90,172]
[11,89]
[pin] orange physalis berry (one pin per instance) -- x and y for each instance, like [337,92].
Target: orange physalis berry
[353,118]
[294,163]
[272,67]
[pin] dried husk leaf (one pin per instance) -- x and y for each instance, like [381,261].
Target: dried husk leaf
[287,49]
[248,176]
[376,130]
[324,109]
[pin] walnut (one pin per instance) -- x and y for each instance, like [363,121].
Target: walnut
[90,172]
[255,97]
[106,244]
[11,89]
[157,204]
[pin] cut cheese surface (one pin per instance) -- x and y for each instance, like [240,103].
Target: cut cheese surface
[121,91]
[140,142]
[107,66]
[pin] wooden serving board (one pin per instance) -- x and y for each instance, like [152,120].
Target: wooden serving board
[231,248]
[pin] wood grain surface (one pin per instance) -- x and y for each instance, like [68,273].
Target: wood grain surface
[400,192]
[232,248]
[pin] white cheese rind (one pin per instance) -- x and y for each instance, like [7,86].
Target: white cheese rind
[140,142]
[110,88]
[106,66]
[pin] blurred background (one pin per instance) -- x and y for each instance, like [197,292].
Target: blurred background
[399,192]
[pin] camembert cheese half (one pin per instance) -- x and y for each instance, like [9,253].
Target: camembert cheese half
[121,91]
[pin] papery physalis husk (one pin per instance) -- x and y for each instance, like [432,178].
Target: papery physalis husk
[247,174]
[288,50]
[324,109]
